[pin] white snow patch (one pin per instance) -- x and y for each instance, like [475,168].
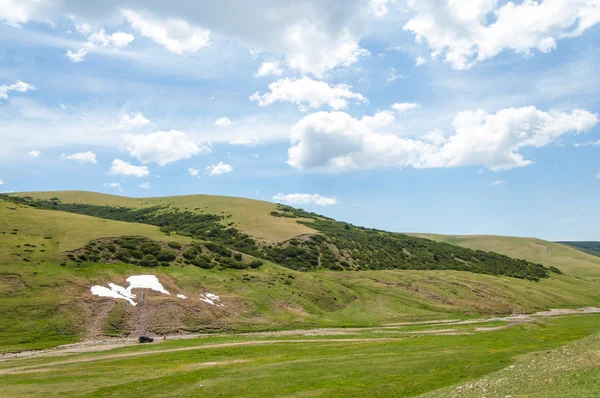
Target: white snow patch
[211,299]
[181,296]
[103,291]
[135,282]
[146,282]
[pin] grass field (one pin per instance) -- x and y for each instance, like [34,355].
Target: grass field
[368,349]
[402,361]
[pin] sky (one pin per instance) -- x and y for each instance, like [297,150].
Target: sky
[440,116]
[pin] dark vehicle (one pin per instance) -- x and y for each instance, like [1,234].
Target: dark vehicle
[144,339]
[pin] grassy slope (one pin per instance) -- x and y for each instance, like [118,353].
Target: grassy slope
[592,248]
[250,216]
[565,258]
[44,303]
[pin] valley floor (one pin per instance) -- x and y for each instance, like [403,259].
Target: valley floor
[491,357]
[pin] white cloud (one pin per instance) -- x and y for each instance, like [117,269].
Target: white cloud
[597,176]
[220,168]
[133,121]
[122,168]
[402,107]
[306,92]
[312,50]
[176,35]
[588,143]
[1,181]
[420,61]
[337,142]
[379,8]
[223,122]
[145,185]
[304,199]
[464,32]
[162,147]
[495,183]
[18,86]
[115,185]
[269,68]
[243,141]
[77,56]
[81,157]
[194,172]
[34,154]
[115,41]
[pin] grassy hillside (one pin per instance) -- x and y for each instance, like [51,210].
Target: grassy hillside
[45,297]
[567,259]
[592,248]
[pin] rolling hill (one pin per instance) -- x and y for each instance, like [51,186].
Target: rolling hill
[567,258]
[270,267]
[592,248]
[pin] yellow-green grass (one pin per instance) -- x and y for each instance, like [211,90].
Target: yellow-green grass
[330,366]
[569,371]
[565,258]
[249,216]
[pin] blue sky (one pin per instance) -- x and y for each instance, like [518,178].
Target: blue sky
[445,116]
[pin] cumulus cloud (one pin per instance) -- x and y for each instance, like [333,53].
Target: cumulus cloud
[420,61]
[304,199]
[122,168]
[313,36]
[34,154]
[379,8]
[162,147]
[223,122]
[466,32]
[269,68]
[194,172]
[132,121]
[145,185]
[176,35]
[100,38]
[18,86]
[220,168]
[308,93]
[81,157]
[337,142]
[405,106]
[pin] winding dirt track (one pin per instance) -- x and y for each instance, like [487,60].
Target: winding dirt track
[43,367]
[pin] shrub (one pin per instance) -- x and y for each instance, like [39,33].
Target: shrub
[166,255]
[555,270]
[237,256]
[148,261]
[123,255]
[255,264]
[190,253]
[174,245]
[150,248]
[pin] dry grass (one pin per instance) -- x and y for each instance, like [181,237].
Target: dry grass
[249,216]
[565,258]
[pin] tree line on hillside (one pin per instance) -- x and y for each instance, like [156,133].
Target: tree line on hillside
[338,246]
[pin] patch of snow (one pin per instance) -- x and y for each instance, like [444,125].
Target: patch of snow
[135,282]
[146,282]
[181,296]
[103,291]
[211,299]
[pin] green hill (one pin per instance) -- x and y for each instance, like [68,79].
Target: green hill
[273,267]
[566,258]
[592,248]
